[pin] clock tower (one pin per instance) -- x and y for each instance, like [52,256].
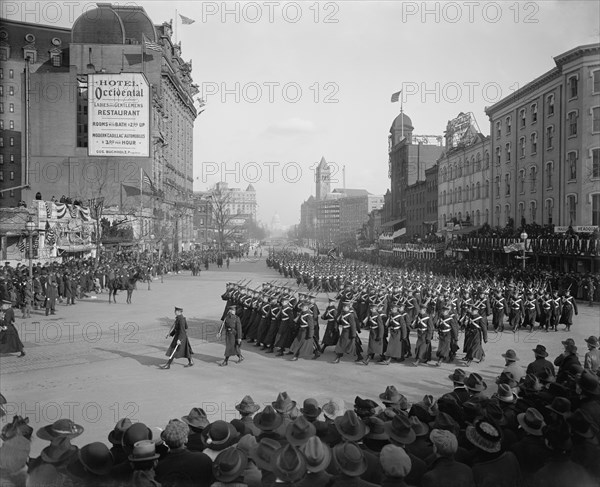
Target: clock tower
[323,178]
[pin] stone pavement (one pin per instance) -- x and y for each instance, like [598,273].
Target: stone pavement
[97,362]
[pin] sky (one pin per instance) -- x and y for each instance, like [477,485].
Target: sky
[286,83]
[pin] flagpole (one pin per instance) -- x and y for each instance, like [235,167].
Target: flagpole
[141,202]
[176,16]
[143,49]
[401,115]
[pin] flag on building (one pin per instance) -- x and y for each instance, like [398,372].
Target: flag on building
[396,96]
[514,247]
[21,244]
[134,191]
[186,20]
[50,234]
[146,180]
[151,46]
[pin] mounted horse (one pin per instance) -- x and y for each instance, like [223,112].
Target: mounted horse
[123,282]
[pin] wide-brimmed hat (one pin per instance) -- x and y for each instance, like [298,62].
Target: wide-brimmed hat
[364,407]
[540,351]
[62,427]
[263,453]
[197,418]
[560,406]
[116,435]
[219,435]
[510,355]
[349,459]
[96,457]
[506,394]
[144,451]
[459,376]
[593,341]
[485,436]
[59,450]
[299,431]
[390,396]
[289,464]
[569,342]
[399,429]
[317,454]
[229,465]
[283,404]
[530,383]
[334,408]
[377,430]
[531,421]
[475,383]
[420,429]
[443,421]
[268,419]
[247,443]
[589,383]
[310,408]
[351,427]
[582,424]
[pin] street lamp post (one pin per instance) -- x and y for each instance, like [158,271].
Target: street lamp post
[30,226]
[524,238]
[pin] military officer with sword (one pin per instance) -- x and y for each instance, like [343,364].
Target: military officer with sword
[180,346]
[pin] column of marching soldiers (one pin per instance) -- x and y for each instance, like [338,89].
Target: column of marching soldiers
[389,305]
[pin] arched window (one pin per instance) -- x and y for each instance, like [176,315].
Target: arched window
[478,191]
[478,165]
[487,160]
[487,216]
[467,192]
[487,189]
[472,192]
[477,218]
[532,210]
[521,211]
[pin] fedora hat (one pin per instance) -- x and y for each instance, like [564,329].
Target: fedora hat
[310,408]
[299,431]
[196,419]
[560,406]
[443,421]
[508,378]
[459,376]
[390,396]
[475,383]
[399,429]
[510,355]
[530,383]
[484,435]
[59,450]
[229,465]
[116,435]
[420,429]
[589,383]
[531,421]
[62,427]
[268,419]
[505,393]
[96,457]
[289,464]
[583,425]
[593,341]
[317,454]
[219,435]
[144,451]
[283,403]
[569,342]
[540,351]
[247,443]
[349,459]
[334,408]
[376,429]
[263,453]
[351,427]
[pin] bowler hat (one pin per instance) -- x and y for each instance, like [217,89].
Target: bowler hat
[268,419]
[540,351]
[263,453]
[116,435]
[62,427]
[289,464]
[96,457]
[351,427]
[219,435]
[510,355]
[247,406]
[59,450]
[399,429]
[310,408]
[143,451]
[349,459]
[531,421]
[317,454]
[229,465]
[299,431]
[196,419]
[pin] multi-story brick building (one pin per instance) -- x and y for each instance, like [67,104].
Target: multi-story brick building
[545,146]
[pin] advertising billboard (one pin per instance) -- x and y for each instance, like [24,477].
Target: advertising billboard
[118,115]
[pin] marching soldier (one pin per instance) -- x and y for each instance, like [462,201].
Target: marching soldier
[499,310]
[475,337]
[303,345]
[346,343]
[332,334]
[375,326]
[515,311]
[546,306]
[423,324]
[569,306]
[232,327]
[557,311]
[531,311]
[396,325]
[447,327]
[180,346]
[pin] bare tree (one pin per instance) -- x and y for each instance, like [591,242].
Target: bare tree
[222,217]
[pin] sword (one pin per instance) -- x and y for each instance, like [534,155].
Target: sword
[174,350]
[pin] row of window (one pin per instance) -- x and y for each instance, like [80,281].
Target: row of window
[32,55]
[458,195]
[457,170]
[11,175]
[11,73]
[11,142]
[11,90]
[11,158]
[11,107]
[11,124]
[475,217]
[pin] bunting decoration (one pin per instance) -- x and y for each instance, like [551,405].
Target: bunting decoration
[48,209]
[21,244]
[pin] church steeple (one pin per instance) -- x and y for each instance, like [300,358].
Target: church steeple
[322,179]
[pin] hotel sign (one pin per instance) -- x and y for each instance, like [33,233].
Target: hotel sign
[118,115]
[577,229]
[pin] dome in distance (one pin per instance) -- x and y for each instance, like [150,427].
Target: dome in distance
[397,123]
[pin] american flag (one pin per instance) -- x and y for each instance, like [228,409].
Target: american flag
[146,180]
[151,46]
[186,20]
[396,96]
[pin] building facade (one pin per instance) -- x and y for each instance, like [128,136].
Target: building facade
[545,146]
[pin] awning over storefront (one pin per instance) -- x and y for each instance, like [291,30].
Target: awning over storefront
[393,223]
[399,233]
[75,248]
[465,230]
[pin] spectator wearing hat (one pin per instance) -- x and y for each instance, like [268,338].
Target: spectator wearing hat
[289,466]
[318,457]
[262,455]
[252,475]
[396,465]
[10,342]
[134,433]
[490,465]
[269,423]
[196,421]
[58,454]
[91,466]
[229,466]
[247,408]
[511,365]
[591,360]
[350,463]
[586,450]
[445,470]
[401,433]
[143,460]
[566,360]
[115,437]
[531,450]
[310,410]
[588,388]
[475,385]
[559,469]
[460,392]
[540,364]
[218,436]
[180,465]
